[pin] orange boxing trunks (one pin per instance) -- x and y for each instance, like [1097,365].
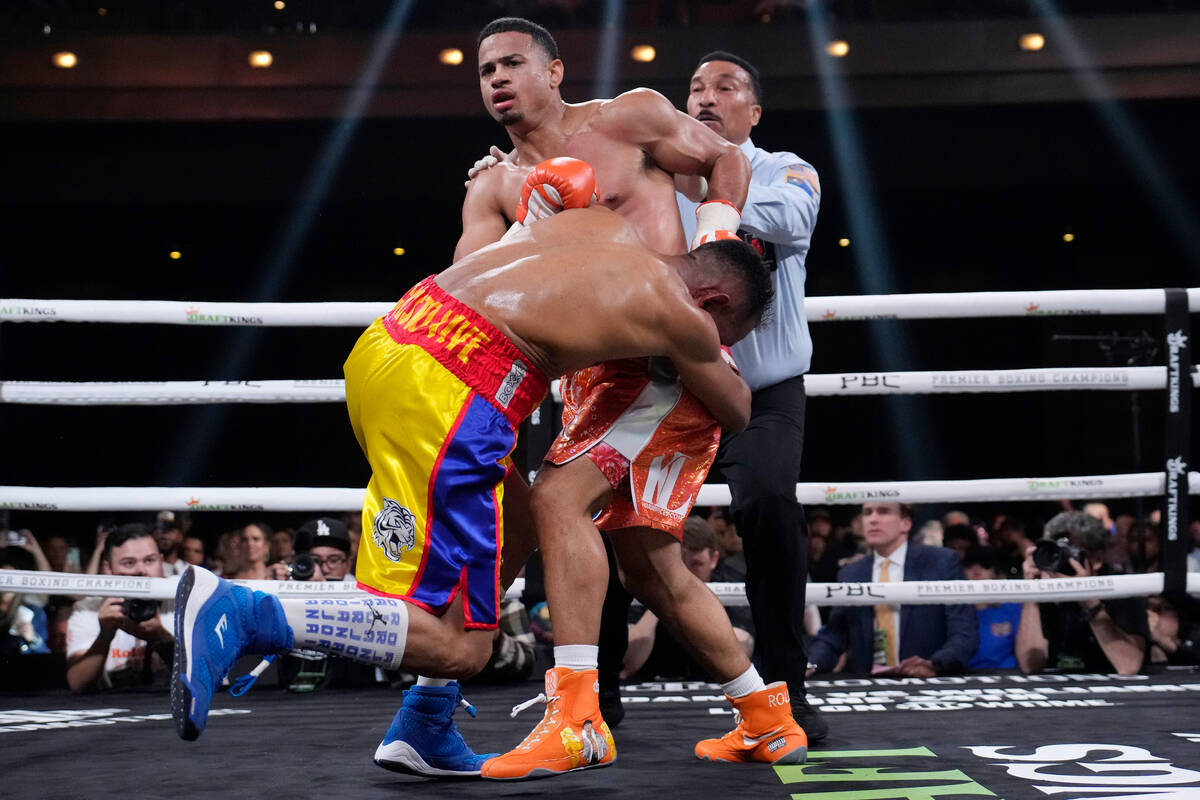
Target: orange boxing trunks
[654,441]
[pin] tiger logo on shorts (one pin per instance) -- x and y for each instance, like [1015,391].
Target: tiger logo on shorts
[394,530]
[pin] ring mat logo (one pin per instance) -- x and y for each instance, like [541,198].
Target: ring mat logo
[1096,771]
[837,775]
[22,720]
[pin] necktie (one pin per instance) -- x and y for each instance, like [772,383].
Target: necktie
[885,619]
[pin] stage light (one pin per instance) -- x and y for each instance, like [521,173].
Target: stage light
[64,60]
[643,53]
[843,242]
[1068,237]
[1032,41]
[452,56]
[838,48]
[102,11]
[398,251]
[175,255]
[280,5]
[261,59]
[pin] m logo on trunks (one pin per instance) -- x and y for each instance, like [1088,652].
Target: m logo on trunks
[394,530]
[660,482]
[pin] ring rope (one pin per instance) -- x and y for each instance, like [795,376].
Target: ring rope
[731,594]
[947,305]
[975,381]
[141,498]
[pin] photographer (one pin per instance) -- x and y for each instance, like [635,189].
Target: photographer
[112,641]
[1107,636]
[322,553]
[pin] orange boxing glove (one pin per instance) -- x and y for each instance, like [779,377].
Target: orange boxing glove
[716,219]
[555,185]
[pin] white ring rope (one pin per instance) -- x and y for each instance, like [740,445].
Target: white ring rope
[172,393]
[257,499]
[1080,302]
[731,594]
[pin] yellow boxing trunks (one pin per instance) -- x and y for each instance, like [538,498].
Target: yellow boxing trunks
[435,394]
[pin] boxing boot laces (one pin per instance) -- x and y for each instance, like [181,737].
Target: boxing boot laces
[572,734]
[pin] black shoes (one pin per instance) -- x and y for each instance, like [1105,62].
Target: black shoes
[808,718]
[611,707]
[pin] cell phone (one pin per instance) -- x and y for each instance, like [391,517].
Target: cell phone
[17,538]
[73,557]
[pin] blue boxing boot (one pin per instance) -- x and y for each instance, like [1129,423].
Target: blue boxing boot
[215,623]
[423,739]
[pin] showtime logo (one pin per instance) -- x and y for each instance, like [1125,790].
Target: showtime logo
[1096,772]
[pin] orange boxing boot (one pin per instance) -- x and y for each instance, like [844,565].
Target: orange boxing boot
[765,731]
[572,734]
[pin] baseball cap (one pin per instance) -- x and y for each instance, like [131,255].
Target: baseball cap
[323,532]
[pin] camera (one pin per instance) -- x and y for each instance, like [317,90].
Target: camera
[1054,555]
[139,609]
[16,538]
[302,567]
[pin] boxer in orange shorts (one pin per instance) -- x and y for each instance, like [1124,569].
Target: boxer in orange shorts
[637,143]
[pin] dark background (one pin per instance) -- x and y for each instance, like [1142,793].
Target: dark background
[972,199]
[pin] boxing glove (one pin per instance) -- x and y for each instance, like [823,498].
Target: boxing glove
[716,219]
[727,357]
[555,185]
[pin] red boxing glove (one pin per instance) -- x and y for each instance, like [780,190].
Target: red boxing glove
[554,185]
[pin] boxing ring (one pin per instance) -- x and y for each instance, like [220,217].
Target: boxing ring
[1123,737]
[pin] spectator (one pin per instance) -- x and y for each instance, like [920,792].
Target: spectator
[820,523]
[732,565]
[58,625]
[22,626]
[328,543]
[283,546]
[60,555]
[998,622]
[917,641]
[959,538]
[1144,548]
[192,550]
[353,521]
[33,559]
[252,553]
[1174,627]
[106,645]
[956,517]
[1100,511]
[168,532]
[226,559]
[653,651]
[105,527]
[1011,543]
[1091,635]
[932,533]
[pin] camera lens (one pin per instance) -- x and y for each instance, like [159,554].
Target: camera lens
[139,609]
[1053,556]
[302,568]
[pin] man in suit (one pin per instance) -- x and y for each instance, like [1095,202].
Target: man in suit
[910,641]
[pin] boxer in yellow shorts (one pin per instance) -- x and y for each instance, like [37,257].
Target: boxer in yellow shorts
[435,395]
